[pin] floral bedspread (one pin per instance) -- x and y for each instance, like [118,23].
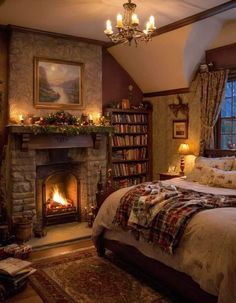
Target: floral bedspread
[160,213]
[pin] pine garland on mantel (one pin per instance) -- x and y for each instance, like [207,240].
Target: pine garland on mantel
[61,123]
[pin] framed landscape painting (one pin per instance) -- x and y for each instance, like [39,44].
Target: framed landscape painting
[58,84]
[180,129]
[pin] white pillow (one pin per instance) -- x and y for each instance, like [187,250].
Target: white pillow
[234,165]
[202,174]
[224,178]
[224,163]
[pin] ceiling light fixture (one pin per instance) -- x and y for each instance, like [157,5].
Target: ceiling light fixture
[128,27]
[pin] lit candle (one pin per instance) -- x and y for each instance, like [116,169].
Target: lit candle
[147,26]
[21,119]
[108,29]
[98,118]
[151,23]
[119,21]
[135,20]
[90,119]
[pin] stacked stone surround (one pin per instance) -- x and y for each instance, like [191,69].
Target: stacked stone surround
[20,174]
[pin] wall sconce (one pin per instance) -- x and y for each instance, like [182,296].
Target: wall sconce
[179,107]
[183,151]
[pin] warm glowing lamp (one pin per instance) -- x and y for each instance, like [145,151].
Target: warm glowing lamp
[183,151]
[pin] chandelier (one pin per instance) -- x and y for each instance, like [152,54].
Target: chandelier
[128,27]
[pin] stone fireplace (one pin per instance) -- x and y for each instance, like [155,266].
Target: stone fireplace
[52,178]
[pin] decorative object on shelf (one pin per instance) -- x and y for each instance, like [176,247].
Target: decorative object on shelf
[180,129]
[179,107]
[125,104]
[65,123]
[130,88]
[58,84]
[128,27]
[183,151]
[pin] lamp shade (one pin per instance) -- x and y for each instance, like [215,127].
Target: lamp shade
[183,149]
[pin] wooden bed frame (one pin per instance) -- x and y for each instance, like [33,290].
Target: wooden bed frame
[179,282]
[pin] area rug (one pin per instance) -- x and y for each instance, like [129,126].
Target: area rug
[84,277]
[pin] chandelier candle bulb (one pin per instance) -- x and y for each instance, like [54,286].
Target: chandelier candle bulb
[119,23]
[135,20]
[152,23]
[108,30]
[21,119]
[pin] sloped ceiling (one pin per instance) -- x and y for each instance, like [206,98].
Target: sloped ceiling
[168,62]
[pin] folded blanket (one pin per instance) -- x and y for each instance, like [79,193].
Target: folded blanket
[160,214]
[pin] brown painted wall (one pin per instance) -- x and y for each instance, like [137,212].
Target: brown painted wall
[115,82]
[224,56]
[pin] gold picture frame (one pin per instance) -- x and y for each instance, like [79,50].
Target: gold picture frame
[180,129]
[58,84]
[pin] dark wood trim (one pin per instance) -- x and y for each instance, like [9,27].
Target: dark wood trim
[191,19]
[211,153]
[54,35]
[197,17]
[175,91]
[224,47]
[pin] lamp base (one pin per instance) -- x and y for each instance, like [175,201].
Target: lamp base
[181,166]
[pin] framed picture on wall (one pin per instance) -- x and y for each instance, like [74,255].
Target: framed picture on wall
[180,129]
[58,84]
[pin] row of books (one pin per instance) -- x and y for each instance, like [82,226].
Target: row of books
[129,140]
[123,169]
[129,118]
[128,182]
[129,128]
[130,154]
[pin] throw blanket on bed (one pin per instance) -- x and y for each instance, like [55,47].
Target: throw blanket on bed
[160,213]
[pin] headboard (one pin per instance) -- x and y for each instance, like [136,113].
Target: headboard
[211,153]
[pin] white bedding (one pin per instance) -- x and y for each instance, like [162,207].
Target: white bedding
[207,250]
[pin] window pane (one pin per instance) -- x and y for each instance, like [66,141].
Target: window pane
[226,110]
[226,141]
[228,89]
[234,127]
[226,126]
[234,106]
[234,88]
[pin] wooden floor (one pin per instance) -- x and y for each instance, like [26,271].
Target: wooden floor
[29,295]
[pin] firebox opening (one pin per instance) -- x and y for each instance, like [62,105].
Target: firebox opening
[61,198]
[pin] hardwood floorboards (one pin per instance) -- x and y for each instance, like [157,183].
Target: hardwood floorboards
[29,295]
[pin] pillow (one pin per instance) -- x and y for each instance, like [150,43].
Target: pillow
[224,163]
[224,178]
[234,165]
[202,174]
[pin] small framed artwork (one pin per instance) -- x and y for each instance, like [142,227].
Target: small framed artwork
[58,84]
[180,129]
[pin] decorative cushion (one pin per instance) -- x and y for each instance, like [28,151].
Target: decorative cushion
[224,163]
[202,174]
[224,178]
[234,165]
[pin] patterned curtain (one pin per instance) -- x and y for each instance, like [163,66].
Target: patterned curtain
[212,92]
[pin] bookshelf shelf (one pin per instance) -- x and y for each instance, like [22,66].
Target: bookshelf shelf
[130,146]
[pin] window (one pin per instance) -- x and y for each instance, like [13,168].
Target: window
[226,126]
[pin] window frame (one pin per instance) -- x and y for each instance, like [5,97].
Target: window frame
[217,128]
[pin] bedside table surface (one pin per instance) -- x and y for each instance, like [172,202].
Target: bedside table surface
[167,176]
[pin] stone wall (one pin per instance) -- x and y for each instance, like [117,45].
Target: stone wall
[25,46]
[20,172]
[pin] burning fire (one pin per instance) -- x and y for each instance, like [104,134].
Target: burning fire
[57,196]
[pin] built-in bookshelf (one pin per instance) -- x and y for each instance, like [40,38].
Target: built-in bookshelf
[130,146]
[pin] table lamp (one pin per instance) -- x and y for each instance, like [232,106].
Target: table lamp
[183,151]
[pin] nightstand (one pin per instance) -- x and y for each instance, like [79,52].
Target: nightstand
[167,176]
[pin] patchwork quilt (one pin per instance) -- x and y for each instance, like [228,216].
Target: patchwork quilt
[160,213]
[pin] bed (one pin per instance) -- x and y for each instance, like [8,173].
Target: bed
[203,267]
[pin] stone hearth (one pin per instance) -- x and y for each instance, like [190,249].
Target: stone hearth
[28,156]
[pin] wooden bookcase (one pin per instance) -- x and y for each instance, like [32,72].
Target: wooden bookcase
[130,148]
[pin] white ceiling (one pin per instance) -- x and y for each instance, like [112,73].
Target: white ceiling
[86,18]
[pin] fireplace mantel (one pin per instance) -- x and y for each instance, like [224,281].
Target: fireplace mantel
[37,138]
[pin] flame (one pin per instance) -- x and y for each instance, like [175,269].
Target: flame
[57,196]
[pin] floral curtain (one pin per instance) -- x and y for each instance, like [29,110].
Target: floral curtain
[212,92]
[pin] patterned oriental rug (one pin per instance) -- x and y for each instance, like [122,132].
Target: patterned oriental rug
[84,277]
